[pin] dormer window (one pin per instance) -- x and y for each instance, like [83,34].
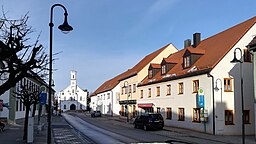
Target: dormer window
[150,73]
[186,61]
[163,70]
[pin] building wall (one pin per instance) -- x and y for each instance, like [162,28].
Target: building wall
[73,95]
[187,100]
[232,100]
[223,100]
[141,75]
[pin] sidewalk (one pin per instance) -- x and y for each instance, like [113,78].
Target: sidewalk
[13,133]
[199,137]
[63,133]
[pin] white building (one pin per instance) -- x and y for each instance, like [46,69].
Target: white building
[106,97]
[72,97]
[14,107]
[171,87]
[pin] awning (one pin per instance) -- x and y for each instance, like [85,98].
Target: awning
[145,105]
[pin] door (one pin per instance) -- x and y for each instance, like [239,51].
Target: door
[73,107]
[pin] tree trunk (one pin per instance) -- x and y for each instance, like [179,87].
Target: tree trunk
[34,109]
[26,123]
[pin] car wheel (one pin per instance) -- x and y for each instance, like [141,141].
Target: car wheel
[145,128]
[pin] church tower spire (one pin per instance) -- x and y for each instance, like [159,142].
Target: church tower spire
[73,81]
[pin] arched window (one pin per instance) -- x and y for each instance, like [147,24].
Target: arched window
[64,98]
[65,106]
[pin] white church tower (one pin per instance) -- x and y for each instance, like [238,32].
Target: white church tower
[72,97]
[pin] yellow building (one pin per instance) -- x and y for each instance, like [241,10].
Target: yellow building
[128,83]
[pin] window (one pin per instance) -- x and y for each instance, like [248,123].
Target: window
[141,94]
[247,56]
[228,85]
[168,90]
[196,114]
[81,98]
[63,93]
[150,73]
[64,98]
[195,86]
[158,110]
[108,96]
[169,113]
[247,116]
[186,61]
[158,91]
[229,117]
[149,92]
[126,89]
[181,114]
[163,69]
[81,106]
[134,88]
[122,90]
[130,89]
[65,106]
[181,88]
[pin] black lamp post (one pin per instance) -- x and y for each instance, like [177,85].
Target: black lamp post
[127,90]
[65,27]
[60,106]
[235,60]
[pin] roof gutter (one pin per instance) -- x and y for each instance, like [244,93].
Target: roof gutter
[199,72]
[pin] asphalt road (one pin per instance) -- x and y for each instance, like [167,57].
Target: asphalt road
[102,130]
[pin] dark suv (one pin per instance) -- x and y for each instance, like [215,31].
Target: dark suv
[147,121]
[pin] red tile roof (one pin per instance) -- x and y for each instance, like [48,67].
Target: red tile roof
[157,66]
[110,84]
[213,49]
[146,60]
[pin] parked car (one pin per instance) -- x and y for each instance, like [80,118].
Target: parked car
[149,121]
[96,114]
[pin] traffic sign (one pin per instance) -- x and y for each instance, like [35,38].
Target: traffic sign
[200,98]
[43,95]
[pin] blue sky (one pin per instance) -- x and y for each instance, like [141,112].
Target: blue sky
[111,36]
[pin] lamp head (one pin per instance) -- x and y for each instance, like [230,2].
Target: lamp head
[65,27]
[235,60]
[216,88]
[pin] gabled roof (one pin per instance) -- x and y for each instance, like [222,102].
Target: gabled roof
[213,49]
[110,84]
[154,65]
[146,60]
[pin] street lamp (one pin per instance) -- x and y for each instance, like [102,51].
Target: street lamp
[127,90]
[216,87]
[65,27]
[235,60]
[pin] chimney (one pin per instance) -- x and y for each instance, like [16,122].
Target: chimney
[187,43]
[196,39]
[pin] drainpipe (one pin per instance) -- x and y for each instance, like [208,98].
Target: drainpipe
[112,103]
[213,104]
